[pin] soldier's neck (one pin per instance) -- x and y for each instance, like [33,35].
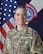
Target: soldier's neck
[20,27]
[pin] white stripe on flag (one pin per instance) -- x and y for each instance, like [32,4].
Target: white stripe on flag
[6,28]
[13,21]
[1,51]
[2,38]
[38,4]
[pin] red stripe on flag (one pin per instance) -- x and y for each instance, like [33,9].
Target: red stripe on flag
[3,32]
[0,28]
[9,24]
[1,45]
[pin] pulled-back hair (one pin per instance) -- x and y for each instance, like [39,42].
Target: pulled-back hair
[21,6]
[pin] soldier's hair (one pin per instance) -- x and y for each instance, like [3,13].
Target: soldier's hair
[21,6]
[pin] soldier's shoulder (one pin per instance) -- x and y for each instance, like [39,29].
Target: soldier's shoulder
[30,29]
[11,32]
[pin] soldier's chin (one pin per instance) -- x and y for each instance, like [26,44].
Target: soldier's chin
[20,23]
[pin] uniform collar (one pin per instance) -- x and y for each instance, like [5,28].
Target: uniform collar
[23,30]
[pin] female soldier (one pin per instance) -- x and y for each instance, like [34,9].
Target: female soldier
[22,39]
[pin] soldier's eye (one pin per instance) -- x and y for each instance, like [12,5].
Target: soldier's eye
[24,14]
[18,14]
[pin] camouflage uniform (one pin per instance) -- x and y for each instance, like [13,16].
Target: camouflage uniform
[22,42]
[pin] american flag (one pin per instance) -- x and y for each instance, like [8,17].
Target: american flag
[7,9]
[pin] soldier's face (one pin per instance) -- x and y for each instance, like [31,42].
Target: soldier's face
[20,16]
